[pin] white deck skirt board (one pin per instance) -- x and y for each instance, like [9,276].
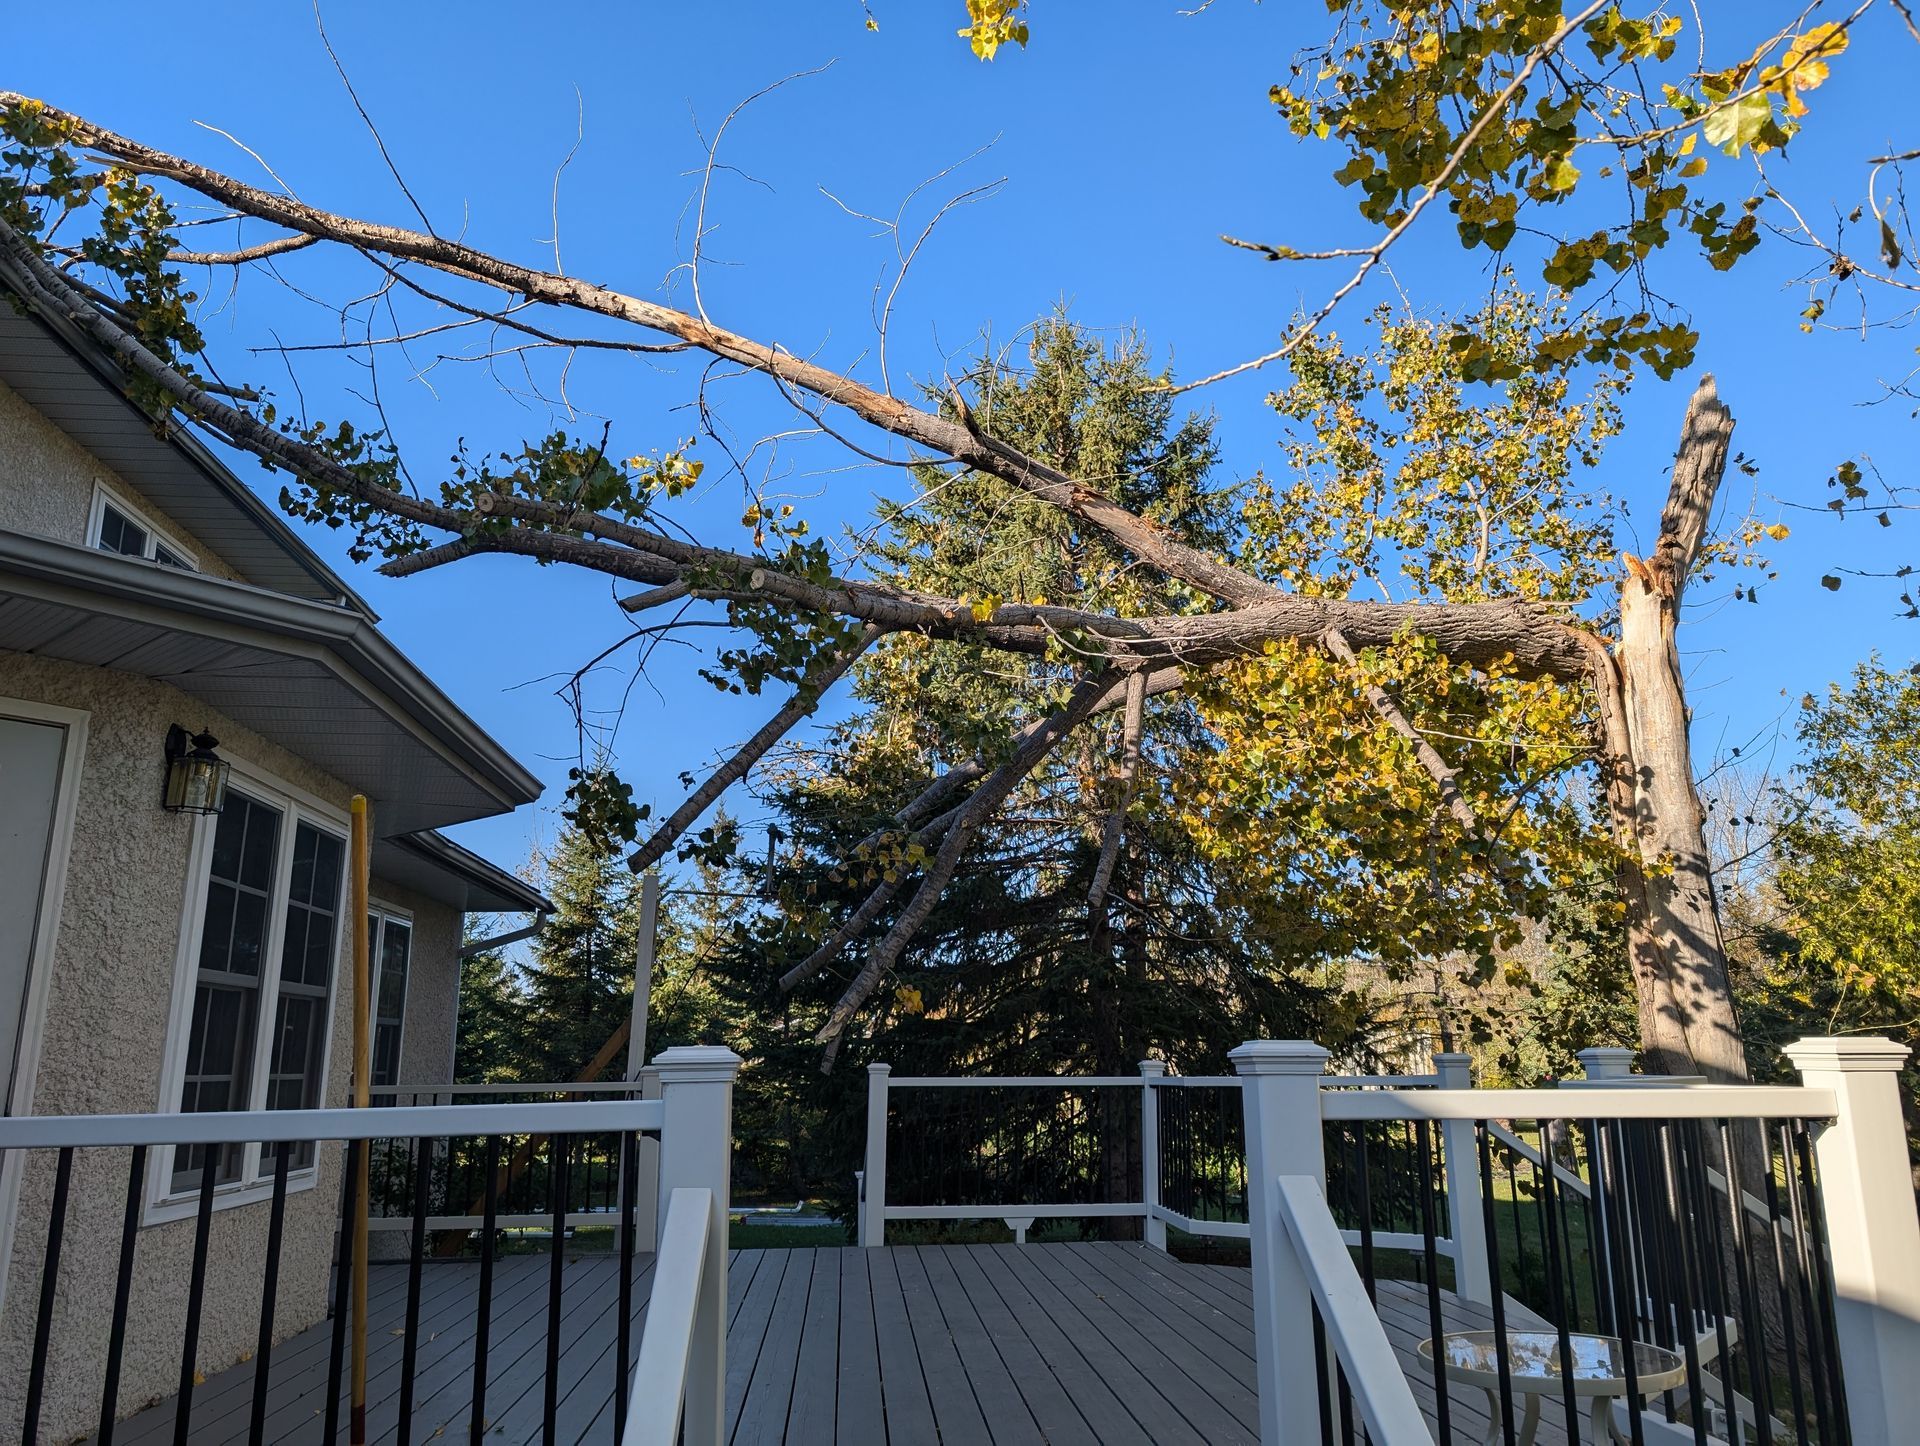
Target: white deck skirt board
[955,1345]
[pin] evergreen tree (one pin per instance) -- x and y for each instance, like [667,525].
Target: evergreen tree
[490,1045]
[1052,951]
[579,988]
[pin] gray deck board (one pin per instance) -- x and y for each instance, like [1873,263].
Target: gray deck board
[955,1345]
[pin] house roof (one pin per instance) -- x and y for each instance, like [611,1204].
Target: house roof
[319,679]
[433,864]
[70,380]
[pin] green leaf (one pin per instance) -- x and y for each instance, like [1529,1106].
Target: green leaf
[1735,126]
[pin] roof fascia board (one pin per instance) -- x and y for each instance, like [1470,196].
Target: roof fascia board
[343,640]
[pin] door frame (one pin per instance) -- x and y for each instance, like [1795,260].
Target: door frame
[46,933]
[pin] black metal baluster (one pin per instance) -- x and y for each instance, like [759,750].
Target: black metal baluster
[269,1295]
[1363,1174]
[1320,1374]
[1683,1281]
[1483,1136]
[1823,1275]
[629,1209]
[1613,1147]
[1436,1323]
[1513,1209]
[1759,1373]
[196,1296]
[1713,1259]
[410,1347]
[556,1285]
[49,1288]
[342,1289]
[1556,1288]
[483,1309]
[1818,1342]
[123,1287]
[1796,1391]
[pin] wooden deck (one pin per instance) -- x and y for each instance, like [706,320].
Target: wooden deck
[959,1345]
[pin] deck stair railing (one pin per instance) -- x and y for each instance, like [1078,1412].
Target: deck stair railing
[1774,1312]
[691,1121]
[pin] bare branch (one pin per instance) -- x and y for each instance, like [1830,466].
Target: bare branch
[1115,827]
[1372,256]
[805,699]
[972,816]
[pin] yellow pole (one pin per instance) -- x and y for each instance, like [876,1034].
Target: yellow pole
[362,1079]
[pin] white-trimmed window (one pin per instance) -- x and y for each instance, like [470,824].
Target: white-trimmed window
[262,938]
[390,947]
[116,525]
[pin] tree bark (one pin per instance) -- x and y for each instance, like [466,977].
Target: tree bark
[1687,1023]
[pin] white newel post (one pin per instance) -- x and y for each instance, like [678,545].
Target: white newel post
[1606,1062]
[873,1188]
[1281,1098]
[647,1178]
[1466,1219]
[1873,1233]
[696,1149]
[1155,1229]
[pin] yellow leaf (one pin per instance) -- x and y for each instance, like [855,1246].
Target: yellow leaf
[1779,532]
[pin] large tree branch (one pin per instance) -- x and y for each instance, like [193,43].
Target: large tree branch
[1536,642]
[1429,758]
[1146,539]
[805,699]
[988,797]
[1115,827]
[936,793]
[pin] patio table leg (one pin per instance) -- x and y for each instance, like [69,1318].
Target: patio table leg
[1494,1433]
[1529,1419]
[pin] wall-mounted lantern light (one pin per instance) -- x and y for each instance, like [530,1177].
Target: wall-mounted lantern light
[196,776]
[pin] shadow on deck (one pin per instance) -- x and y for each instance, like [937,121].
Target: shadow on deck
[958,1345]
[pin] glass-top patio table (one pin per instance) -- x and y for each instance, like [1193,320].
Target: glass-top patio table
[1534,1371]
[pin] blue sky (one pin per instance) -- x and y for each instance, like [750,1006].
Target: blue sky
[1130,137]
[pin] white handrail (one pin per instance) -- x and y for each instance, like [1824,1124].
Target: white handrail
[1681,1102]
[534,1087]
[1014,1081]
[239,1127]
[659,1381]
[1354,1333]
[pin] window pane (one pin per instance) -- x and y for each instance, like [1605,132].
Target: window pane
[120,533]
[393,970]
[390,999]
[218,1050]
[167,557]
[306,973]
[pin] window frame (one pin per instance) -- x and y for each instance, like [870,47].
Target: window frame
[158,538]
[254,1181]
[386,914]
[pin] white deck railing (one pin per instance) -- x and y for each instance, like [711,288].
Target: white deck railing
[1157,1181]
[1355,1337]
[692,1118]
[1871,1266]
[686,1330]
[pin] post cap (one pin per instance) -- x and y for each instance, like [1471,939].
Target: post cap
[879,1069]
[1153,1067]
[1279,1056]
[1847,1055]
[697,1064]
[1606,1061]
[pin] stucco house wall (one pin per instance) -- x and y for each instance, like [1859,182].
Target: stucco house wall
[104,1036]
[47,480]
